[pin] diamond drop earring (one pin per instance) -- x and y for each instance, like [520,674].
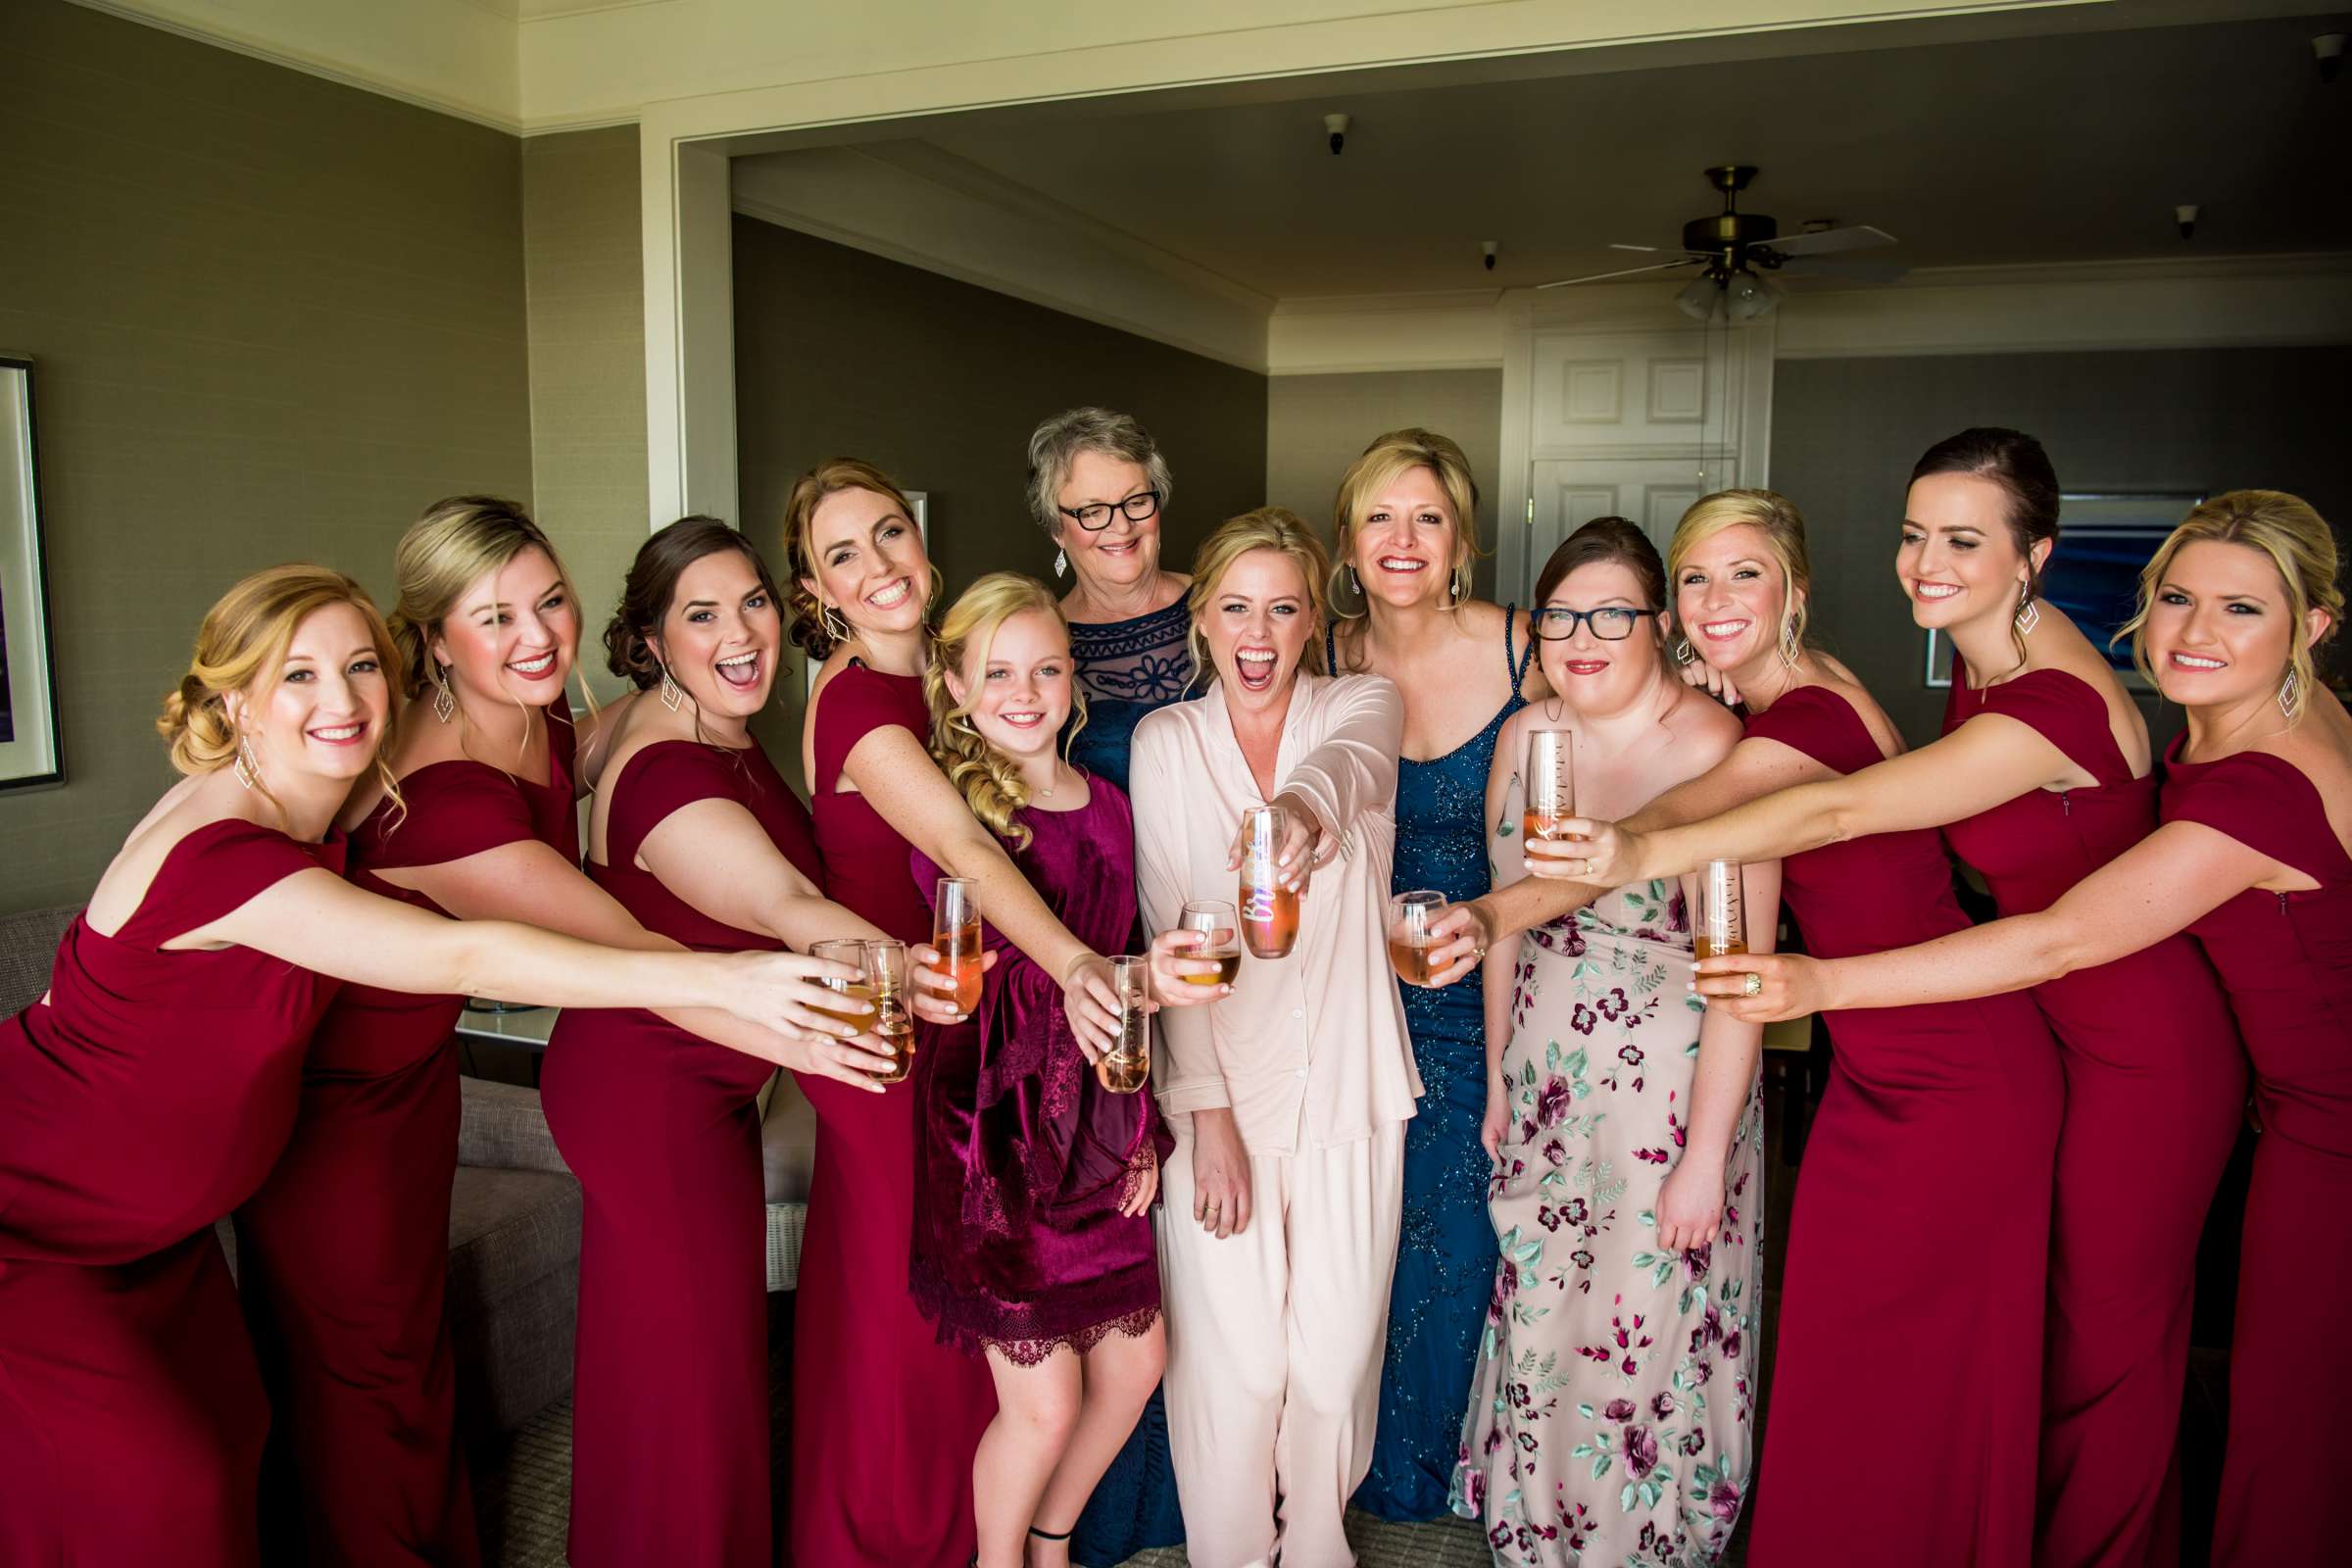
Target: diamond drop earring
[1355,583]
[445,702]
[669,692]
[1791,648]
[1061,562]
[2288,689]
[2029,614]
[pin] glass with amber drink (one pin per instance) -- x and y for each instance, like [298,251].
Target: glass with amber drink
[1722,924]
[1127,1066]
[894,1026]
[857,1007]
[1409,917]
[1220,938]
[955,933]
[1550,779]
[1269,910]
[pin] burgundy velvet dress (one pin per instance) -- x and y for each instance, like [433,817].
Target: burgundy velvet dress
[343,1255]
[1906,1392]
[885,1418]
[2286,959]
[142,1101]
[669,1430]
[2151,1060]
[1023,1157]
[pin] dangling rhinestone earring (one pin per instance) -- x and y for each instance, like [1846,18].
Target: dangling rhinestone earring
[1355,583]
[1789,645]
[248,766]
[1061,562]
[1454,586]
[2029,614]
[2287,692]
[669,692]
[445,702]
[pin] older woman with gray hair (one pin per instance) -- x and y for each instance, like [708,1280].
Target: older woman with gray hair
[1098,487]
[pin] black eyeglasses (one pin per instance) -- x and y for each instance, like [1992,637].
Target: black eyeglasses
[1095,516]
[1611,624]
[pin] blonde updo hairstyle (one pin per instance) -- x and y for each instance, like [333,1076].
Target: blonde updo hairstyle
[241,647]
[1389,457]
[810,622]
[1275,528]
[2300,546]
[991,781]
[1776,517]
[453,546]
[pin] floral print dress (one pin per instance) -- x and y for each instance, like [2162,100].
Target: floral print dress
[1612,1413]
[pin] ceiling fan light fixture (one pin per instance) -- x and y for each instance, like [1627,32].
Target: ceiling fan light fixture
[1700,298]
[1747,297]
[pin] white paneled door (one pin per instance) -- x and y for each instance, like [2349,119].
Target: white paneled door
[1631,421]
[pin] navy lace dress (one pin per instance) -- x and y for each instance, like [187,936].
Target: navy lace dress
[1445,1247]
[1127,668]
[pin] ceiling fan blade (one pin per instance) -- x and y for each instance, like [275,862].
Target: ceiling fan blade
[1652,249]
[1631,272]
[1854,237]
[1846,268]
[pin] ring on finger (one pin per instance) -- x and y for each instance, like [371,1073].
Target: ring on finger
[1754,985]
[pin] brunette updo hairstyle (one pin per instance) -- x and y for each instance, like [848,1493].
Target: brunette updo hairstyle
[1608,539]
[804,623]
[2016,463]
[653,582]
[241,645]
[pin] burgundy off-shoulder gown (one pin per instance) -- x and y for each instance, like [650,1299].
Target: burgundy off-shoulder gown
[1023,1157]
[2151,1060]
[343,1255]
[1906,1389]
[884,1419]
[2286,959]
[669,1432]
[143,1099]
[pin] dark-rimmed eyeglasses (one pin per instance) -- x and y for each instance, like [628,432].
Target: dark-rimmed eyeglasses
[1094,517]
[1611,624]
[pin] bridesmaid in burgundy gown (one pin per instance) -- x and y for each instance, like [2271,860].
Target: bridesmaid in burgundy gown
[886,1419]
[1033,1178]
[2252,861]
[147,1095]
[696,836]
[1913,1297]
[2041,777]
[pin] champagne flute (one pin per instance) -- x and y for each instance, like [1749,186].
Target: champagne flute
[955,933]
[1269,910]
[1549,778]
[1722,924]
[858,998]
[1220,938]
[1127,1066]
[1410,918]
[885,973]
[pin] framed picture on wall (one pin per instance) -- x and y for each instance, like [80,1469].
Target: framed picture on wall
[2104,539]
[29,746]
[921,500]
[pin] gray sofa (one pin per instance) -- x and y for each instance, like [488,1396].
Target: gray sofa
[514,1217]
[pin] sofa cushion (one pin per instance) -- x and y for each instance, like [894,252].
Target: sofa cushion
[27,950]
[503,1125]
[508,1230]
[787,1143]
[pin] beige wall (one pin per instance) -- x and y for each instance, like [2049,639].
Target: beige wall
[1318,425]
[586,275]
[273,318]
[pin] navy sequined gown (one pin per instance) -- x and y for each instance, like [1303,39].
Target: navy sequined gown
[1445,1247]
[1127,668]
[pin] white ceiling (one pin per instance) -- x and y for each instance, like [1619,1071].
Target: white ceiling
[2067,147]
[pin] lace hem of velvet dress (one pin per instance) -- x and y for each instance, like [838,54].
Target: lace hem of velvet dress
[1032,1353]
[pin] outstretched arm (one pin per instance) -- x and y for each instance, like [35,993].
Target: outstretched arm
[1691,1201]
[2160,886]
[1988,760]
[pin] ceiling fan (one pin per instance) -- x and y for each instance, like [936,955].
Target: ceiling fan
[1735,251]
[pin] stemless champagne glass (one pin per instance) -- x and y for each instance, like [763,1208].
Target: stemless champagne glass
[1269,910]
[1409,917]
[1550,783]
[1127,1066]
[955,933]
[1722,925]
[1220,930]
[886,972]
[857,1007]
